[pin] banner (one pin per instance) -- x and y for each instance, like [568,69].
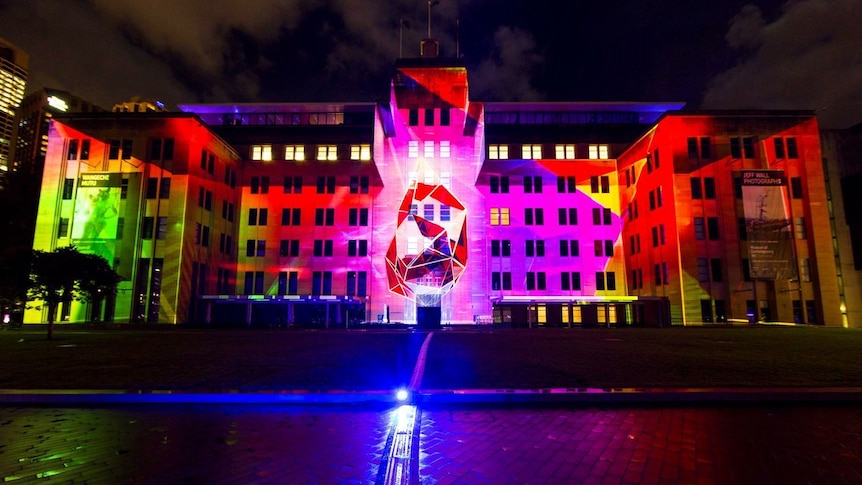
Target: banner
[97,208]
[768,225]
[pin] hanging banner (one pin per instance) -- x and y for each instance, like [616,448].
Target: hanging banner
[768,225]
[94,227]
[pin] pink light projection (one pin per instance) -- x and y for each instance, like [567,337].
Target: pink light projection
[426,259]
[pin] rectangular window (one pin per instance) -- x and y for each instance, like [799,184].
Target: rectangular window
[327,152]
[72,152]
[804,269]
[532,184]
[294,152]
[148,227]
[709,187]
[735,148]
[606,184]
[445,149]
[564,152]
[68,188]
[703,270]
[261,152]
[428,149]
[704,147]
[696,192]
[498,152]
[63,227]
[598,152]
[712,228]
[500,216]
[799,227]
[412,149]
[413,117]
[699,228]
[325,185]
[792,151]
[796,187]
[153,190]
[779,147]
[165,188]
[162,229]
[531,152]
[429,116]
[292,185]
[360,152]
[501,280]
[715,267]
[692,147]
[748,147]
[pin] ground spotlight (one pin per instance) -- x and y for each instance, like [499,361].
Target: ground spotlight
[402,395]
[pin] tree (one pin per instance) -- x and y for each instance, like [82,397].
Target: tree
[64,275]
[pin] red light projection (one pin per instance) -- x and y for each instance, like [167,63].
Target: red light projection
[426,273]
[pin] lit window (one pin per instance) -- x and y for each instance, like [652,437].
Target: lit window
[429,178]
[294,152]
[412,149]
[445,179]
[412,177]
[429,149]
[564,152]
[360,152]
[327,152]
[261,152]
[598,152]
[498,152]
[412,245]
[531,152]
[499,216]
[445,149]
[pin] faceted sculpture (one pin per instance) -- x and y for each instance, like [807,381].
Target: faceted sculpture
[428,253]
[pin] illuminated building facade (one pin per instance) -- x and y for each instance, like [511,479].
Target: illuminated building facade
[698,191]
[32,121]
[434,208]
[13,78]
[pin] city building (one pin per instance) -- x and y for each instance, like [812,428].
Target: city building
[433,208]
[13,78]
[32,122]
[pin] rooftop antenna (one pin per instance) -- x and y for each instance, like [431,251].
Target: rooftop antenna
[431,3]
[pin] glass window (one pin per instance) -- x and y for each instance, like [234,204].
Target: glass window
[294,152]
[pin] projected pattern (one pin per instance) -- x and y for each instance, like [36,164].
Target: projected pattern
[425,273]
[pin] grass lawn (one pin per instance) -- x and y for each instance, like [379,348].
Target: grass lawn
[377,360]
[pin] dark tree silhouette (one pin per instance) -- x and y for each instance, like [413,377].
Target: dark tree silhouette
[65,274]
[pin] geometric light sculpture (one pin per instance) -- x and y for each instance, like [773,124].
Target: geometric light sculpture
[428,253]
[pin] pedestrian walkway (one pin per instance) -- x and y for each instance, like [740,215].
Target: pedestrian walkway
[346,425]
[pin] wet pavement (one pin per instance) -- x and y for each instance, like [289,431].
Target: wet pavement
[226,444]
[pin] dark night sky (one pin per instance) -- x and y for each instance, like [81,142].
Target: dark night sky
[797,54]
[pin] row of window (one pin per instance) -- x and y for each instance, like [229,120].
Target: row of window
[297,153]
[321,283]
[533,184]
[536,248]
[325,184]
[533,151]
[565,216]
[430,115]
[742,147]
[320,248]
[537,280]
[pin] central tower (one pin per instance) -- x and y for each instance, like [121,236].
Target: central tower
[431,156]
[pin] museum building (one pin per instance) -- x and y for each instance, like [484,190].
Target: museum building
[432,208]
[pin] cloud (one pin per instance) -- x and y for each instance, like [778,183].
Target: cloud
[507,74]
[807,58]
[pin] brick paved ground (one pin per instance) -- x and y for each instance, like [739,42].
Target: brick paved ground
[191,445]
[535,445]
[699,445]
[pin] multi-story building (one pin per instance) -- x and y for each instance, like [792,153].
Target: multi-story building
[32,121]
[13,78]
[433,207]
[700,187]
